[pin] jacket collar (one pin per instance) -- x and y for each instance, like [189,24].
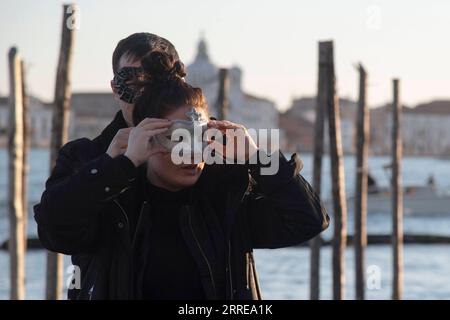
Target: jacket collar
[105,138]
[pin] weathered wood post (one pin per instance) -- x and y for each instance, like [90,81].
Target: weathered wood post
[319,127]
[60,124]
[15,199]
[362,153]
[222,97]
[337,178]
[26,148]
[397,195]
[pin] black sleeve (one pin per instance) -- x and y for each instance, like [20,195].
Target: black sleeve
[68,213]
[283,210]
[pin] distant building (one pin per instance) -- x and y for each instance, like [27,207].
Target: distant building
[298,124]
[40,122]
[425,129]
[249,110]
[380,130]
[4,116]
[298,133]
[90,113]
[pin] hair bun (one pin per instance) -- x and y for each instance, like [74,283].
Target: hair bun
[161,67]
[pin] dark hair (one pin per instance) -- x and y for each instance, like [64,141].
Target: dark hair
[138,45]
[164,88]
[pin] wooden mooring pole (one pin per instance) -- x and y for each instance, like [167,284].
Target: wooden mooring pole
[319,127]
[60,125]
[15,195]
[397,195]
[222,97]
[337,177]
[361,186]
[26,148]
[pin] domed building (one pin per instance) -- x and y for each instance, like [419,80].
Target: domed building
[249,110]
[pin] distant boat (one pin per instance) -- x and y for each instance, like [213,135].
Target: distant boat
[417,200]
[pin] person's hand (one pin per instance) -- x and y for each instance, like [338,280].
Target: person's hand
[139,147]
[236,132]
[119,143]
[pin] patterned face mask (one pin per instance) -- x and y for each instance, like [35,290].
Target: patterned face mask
[123,82]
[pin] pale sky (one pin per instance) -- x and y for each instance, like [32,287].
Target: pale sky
[274,42]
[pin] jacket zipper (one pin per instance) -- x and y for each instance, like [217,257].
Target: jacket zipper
[123,212]
[229,270]
[127,222]
[229,255]
[202,252]
[91,292]
[247,270]
[117,194]
[138,224]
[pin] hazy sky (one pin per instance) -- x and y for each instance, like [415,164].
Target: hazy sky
[275,42]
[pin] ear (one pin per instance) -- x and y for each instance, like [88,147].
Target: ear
[113,88]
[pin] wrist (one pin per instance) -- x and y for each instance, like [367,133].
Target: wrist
[132,159]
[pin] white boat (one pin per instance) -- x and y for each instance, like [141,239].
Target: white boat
[417,200]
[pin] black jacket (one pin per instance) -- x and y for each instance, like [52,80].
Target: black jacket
[91,207]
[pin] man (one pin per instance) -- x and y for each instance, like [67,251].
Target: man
[128,53]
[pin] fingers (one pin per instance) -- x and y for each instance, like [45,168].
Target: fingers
[229,129]
[156,131]
[151,127]
[124,130]
[224,124]
[152,120]
[156,125]
[123,133]
[230,148]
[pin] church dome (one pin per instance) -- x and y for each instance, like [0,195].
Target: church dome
[202,71]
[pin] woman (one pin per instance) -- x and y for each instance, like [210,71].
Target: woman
[141,227]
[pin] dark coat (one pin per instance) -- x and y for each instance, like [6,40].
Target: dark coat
[91,207]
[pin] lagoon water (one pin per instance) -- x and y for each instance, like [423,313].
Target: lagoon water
[284,273]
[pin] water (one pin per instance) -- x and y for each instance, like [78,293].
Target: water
[284,273]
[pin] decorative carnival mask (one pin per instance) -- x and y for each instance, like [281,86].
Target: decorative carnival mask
[123,82]
[185,131]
